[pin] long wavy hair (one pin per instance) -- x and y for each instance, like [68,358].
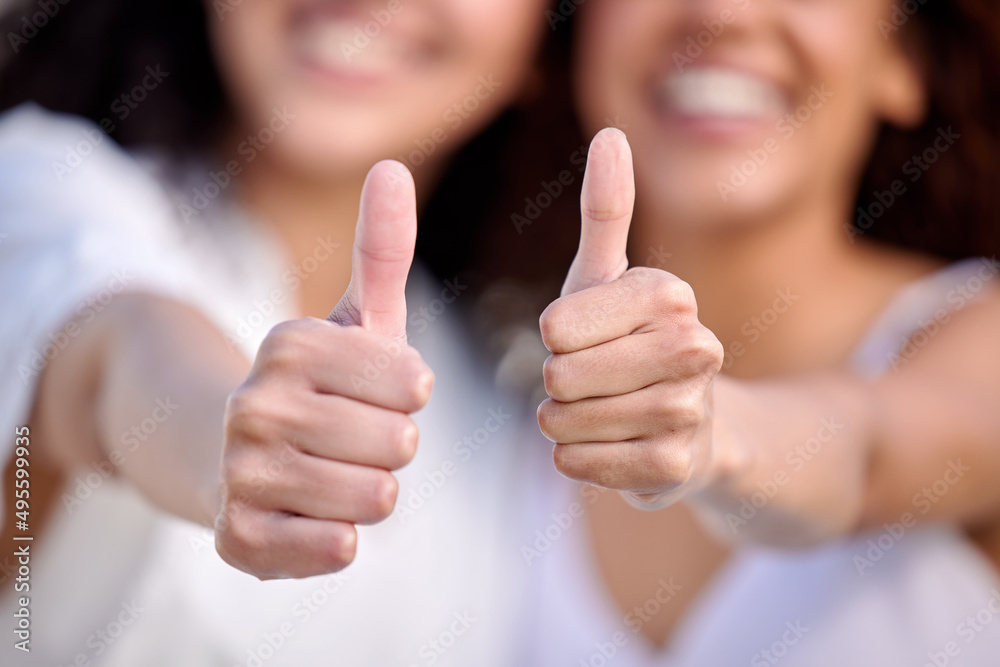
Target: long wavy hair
[83,55]
[91,51]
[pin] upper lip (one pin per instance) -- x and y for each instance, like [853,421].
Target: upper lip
[405,25]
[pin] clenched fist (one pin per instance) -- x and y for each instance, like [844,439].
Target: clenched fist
[312,434]
[631,371]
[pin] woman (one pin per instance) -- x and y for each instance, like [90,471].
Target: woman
[856,413]
[145,280]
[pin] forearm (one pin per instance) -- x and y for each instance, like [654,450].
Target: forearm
[143,394]
[824,456]
[791,459]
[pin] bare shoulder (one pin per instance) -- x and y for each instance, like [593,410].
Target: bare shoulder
[963,336]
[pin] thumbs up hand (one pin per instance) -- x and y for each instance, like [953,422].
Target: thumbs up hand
[312,434]
[631,371]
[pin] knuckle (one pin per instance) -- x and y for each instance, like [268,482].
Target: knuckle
[673,294]
[253,415]
[642,277]
[608,212]
[284,330]
[283,343]
[705,352]
[689,411]
[242,539]
[670,466]
[240,404]
[679,413]
[643,281]
[236,473]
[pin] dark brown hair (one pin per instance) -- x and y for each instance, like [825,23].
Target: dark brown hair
[80,57]
[951,205]
[91,51]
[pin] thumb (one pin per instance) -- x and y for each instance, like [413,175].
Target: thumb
[383,251]
[606,209]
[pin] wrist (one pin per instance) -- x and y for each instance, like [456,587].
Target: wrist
[731,458]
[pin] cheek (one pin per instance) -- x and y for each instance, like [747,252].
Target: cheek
[497,35]
[836,116]
[248,47]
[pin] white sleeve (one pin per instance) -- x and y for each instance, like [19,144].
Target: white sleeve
[80,223]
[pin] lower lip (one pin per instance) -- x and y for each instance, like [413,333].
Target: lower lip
[718,129]
[346,77]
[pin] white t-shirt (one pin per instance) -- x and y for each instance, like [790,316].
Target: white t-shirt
[450,578]
[122,584]
[907,595]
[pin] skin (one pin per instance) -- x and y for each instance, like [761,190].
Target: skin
[286,452]
[638,402]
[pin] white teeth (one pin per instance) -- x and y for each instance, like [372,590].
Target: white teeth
[707,91]
[343,45]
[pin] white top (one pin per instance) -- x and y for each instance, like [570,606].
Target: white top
[445,580]
[898,596]
[431,583]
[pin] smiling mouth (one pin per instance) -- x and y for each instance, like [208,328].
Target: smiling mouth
[720,93]
[356,47]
